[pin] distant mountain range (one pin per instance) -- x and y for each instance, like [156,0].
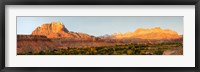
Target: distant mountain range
[151,33]
[58,30]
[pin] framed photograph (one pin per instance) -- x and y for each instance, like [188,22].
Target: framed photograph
[108,35]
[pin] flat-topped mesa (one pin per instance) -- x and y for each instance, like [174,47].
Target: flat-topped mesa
[150,33]
[48,28]
[141,31]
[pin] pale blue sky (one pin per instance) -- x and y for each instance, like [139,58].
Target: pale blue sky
[101,25]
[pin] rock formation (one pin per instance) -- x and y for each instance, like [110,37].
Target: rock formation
[36,43]
[46,29]
[152,33]
[58,30]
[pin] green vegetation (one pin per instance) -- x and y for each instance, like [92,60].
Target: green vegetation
[129,49]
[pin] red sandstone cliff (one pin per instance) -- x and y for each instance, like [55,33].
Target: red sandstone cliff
[58,30]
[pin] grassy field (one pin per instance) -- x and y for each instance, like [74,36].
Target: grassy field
[129,49]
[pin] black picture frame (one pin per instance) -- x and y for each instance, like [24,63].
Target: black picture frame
[99,2]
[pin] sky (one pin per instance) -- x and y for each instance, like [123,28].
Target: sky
[101,25]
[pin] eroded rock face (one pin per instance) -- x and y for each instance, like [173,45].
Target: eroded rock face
[46,29]
[58,30]
[152,33]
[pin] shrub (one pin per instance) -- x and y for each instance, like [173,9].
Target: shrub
[158,52]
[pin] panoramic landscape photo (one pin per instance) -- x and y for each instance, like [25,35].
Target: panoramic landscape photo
[99,35]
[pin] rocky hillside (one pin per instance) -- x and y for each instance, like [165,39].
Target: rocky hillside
[28,43]
[58,30]
[151,33]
